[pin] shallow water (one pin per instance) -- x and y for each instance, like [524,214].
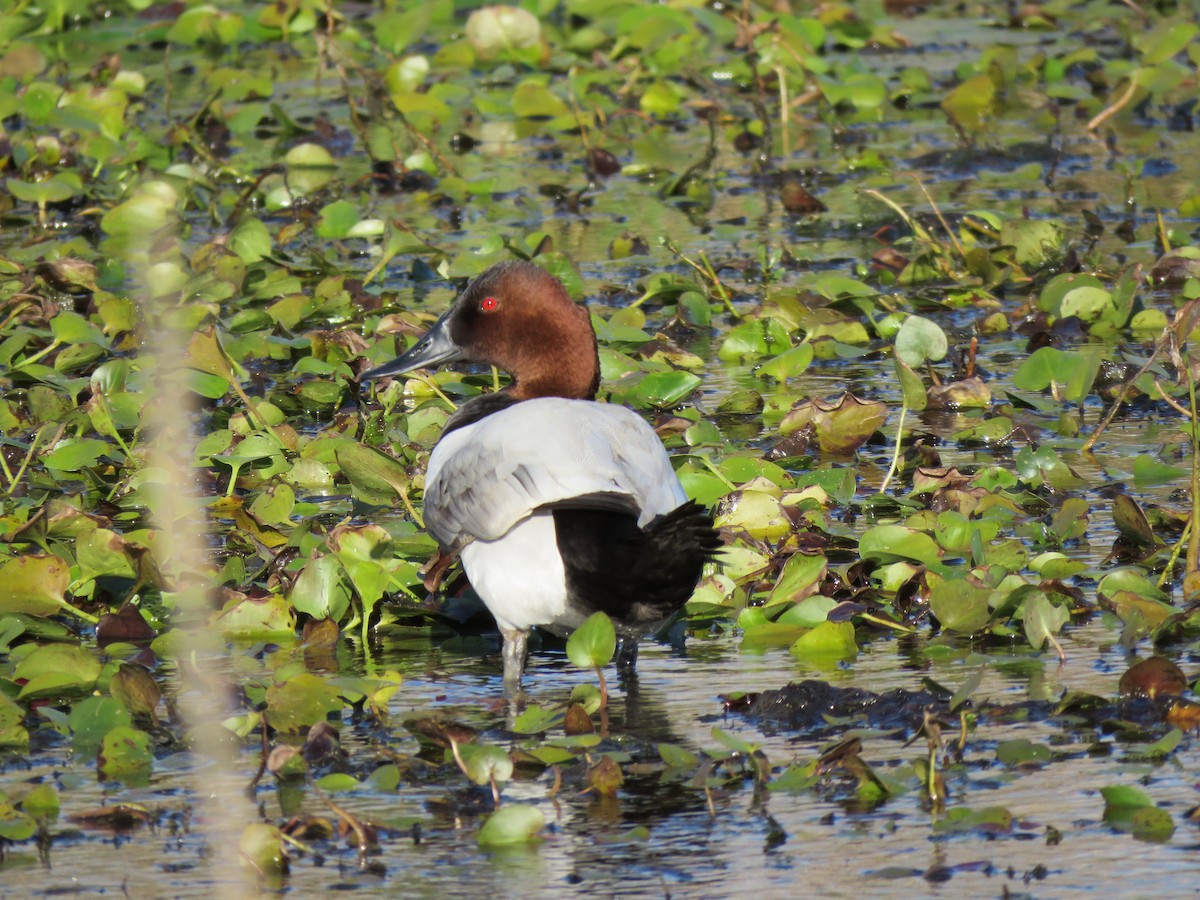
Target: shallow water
[769,842]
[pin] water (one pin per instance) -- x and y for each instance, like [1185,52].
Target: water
[664,835]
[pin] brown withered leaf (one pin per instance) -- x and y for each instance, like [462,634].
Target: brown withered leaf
[603,162]
[136,688]
[796,198]
[577,721]
[798,443]
[1131,522]
[321,745]
[970,393]
[1184,714]
[842,426]
[284,759]
[125,626]
[308,828]
[320,633]
[120,817]
[1153,677]
[925,478]
[440,734]
[888,259]
[605,777]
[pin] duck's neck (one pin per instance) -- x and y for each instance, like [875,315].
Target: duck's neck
[566,363]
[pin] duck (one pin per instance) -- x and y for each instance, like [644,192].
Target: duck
[556,504]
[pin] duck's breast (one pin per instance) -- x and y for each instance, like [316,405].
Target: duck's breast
[521,577]
[486,476]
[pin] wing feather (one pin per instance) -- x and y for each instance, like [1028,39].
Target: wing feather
[485,477]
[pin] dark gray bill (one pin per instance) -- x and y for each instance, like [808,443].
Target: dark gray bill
[435,347]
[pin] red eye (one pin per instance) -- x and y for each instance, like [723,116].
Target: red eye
[488,304]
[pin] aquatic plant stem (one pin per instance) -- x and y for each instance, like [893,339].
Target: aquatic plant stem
[1191,569]
[887,479]
[116,435]
[29,456]
[784,112]
[432,385]
[1184,540]
[1124,392]
[1105,114]
[941,218]
[917,230]
[705,271]
[412,510]
[49,348]
[707,463]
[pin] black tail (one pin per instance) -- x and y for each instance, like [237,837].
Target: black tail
[638,576]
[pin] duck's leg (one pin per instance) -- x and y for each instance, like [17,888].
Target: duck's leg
[515,642]
[627,652]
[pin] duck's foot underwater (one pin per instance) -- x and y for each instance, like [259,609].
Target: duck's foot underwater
[516,642]
[627,654]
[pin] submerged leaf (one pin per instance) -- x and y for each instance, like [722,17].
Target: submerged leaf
[512,824]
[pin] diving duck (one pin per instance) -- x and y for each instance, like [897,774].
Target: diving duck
[557,505]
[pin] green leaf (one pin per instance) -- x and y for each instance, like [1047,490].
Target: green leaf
[1132,809]
[54,668]
[91,719]
[42,803]
[1088,303]
[920,340]
[916,397]
[1021,751]
[486,764]
[386,778]
[504,32]
[14,824]
[72,328]
[513,824]
[536,720]
[336,219]
[890,543]
[532,100]
[34,585]
[338,782]
[252,617]
[970,104]
[1122,796]
[1035,242]
[51,190]
[759,337]
[250,240]
[990,820]
[309,156]
[1148,470]
[1165,41]
[375,477]
[1043,367]
[261,845]
[144,214]
[960,606]
[76,454]
[662,389]
[125,755]
[592,644]
[1042,619]
[829,640]
[677,757]
[300,702]
[320,591]
[787,364]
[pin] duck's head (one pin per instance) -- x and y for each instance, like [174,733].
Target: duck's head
[517,317]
